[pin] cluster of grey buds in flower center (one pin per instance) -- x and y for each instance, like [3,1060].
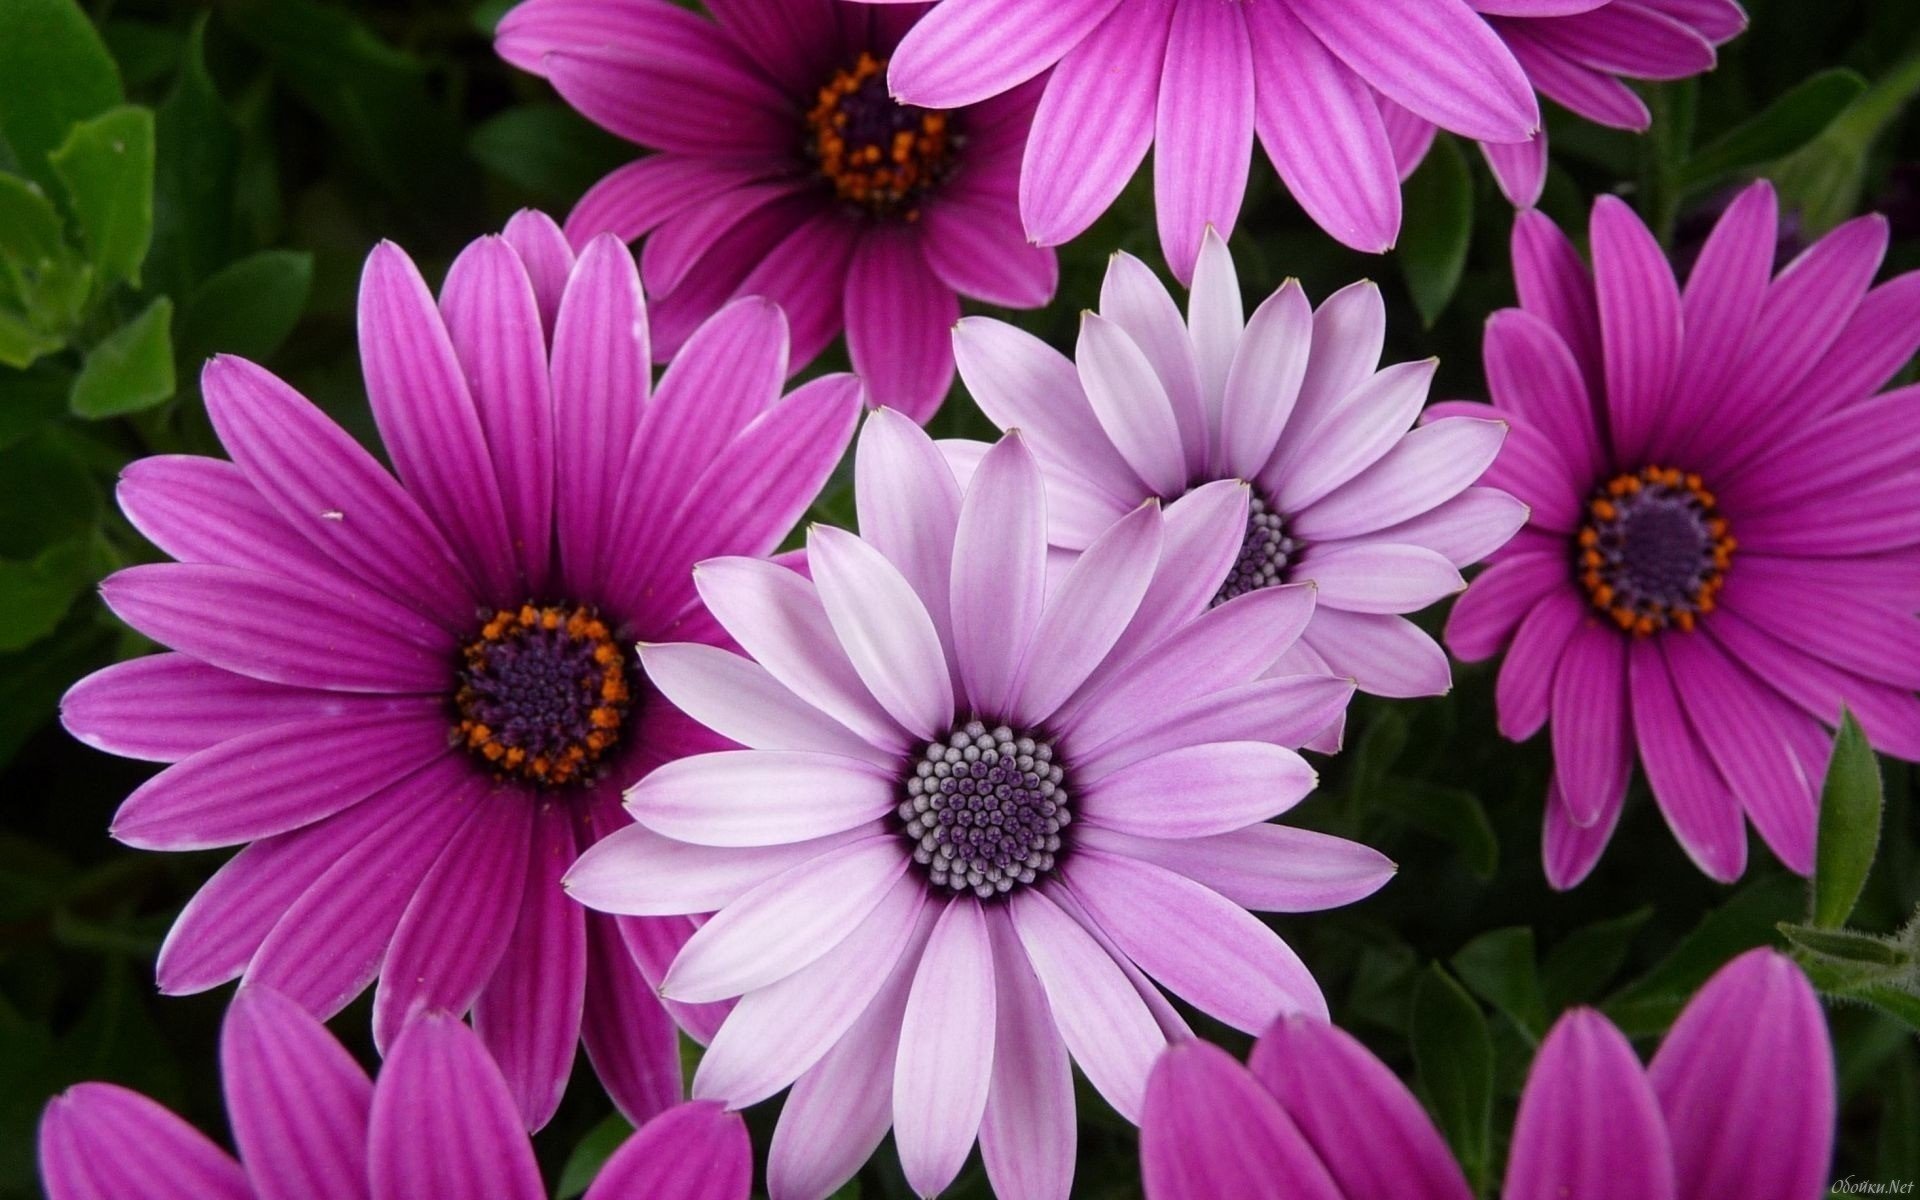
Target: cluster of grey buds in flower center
[984,809]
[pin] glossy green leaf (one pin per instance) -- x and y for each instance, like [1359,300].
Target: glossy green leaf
[1454,1055]
[248,308]
[1850,804]
[131,370]
[54,71]
[1784,126]
[1437,228]
[1501,969]
[197,160]
[106,165]
[591,1154]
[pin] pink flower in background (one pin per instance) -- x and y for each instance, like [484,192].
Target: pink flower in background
[1293,401]
[1738,1104]
[414,700]
[1722,549]
[440,1123]
[783,168]
[1198,79]
[988,796]
[1576,52]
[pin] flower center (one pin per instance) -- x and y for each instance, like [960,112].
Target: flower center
[984,809]
[878,154]
[1265,554]
[542,694]
[1654,550]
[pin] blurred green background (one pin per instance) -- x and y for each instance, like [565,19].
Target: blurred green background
[178,179]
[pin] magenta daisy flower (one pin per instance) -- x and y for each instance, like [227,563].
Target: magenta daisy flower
[1738,1104]
[440,1122]
[988,796]
[1722,550]
[1198,79]
[413,700]
[1292,400]
[782,168]
[1576,53]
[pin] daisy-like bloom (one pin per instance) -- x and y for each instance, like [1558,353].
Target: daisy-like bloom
[1722,549]
[783,168]
[1576,52]
[414,700]
[1291,400]
[440,1122]
[1738,1104]
[1198,79]
[986,798]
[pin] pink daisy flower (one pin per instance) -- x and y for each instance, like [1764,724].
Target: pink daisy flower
[1198,79]
[1293,400]
[440,1122]
[1576,52]
[987,799]
[412,699]
[1722,549]
[782,168]
[1738,1104]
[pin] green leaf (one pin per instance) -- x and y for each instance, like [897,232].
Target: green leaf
[36,594]
[548,149]
[1649,1004]
[131,370]
[591,1154]
[1437,228]
[28,400]
[197,162]
[107,166]
[1846,945]
[30,230]
[1453,814]
[248,308]
[1900,1121]
[1850,804]
[1500,967]
[1904,1006]
[1454,1055]
[1587,959]
[54,71]
[32,681]
[21,344]
[1784,126]
[1825,178]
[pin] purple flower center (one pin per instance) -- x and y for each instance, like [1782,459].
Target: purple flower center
[542,694]
[984,810]
[878,154]
[1265,554]
[1654,551]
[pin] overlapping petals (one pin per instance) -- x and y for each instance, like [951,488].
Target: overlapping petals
[1291,399]
[730,204]
[888,999]
[315,618]
[1762,387]
[440,1122]
[1738,1102]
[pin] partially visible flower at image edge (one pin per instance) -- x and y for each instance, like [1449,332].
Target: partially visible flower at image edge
[1346,492]
[1737,1104]
[781,167]
[1723,549]
[439,1122]
[414,700]
[988,796]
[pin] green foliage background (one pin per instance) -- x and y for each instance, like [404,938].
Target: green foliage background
[182,178]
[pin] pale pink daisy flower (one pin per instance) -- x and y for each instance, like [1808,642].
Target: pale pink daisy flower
[1345,494]
[990,802]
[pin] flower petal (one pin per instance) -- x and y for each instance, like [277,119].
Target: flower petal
[443,1124]
[297,1100]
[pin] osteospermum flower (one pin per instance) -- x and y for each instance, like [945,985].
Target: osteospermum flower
[783,168]
[440,1123]
[984,802]
[1722,549]
[1343,496]
[412,700]
[1576,52]
[1198,79]
[1738,1104]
